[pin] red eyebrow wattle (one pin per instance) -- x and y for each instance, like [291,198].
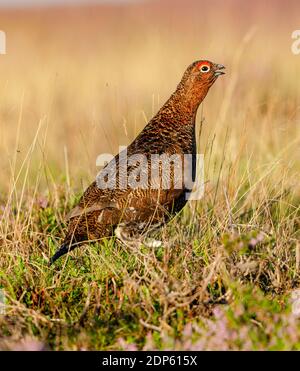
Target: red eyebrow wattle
[200,64]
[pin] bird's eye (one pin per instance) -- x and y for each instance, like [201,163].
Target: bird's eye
[205,68]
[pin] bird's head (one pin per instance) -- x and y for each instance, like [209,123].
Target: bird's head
[202,74]
[197,80]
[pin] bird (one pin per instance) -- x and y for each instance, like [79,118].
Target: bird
[118,203]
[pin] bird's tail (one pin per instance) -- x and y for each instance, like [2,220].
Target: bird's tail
[64,249]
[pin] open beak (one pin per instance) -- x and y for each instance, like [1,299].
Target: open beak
[218,68]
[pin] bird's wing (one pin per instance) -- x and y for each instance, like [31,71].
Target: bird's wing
[141,201]
[79,210]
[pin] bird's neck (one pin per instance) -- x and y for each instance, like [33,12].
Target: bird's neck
[184,103]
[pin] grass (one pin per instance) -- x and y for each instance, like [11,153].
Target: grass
[230,262]
[232,283]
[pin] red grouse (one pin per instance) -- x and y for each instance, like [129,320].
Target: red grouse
[135,192]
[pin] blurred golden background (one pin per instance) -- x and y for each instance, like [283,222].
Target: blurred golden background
[81,80]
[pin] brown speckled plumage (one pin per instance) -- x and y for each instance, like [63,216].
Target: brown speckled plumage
[170,131]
